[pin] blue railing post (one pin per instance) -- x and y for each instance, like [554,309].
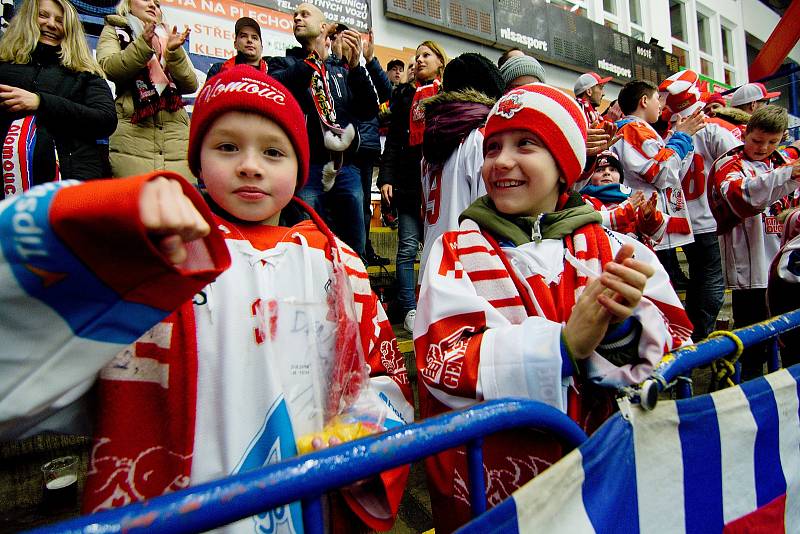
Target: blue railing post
[477,486]
[313,518]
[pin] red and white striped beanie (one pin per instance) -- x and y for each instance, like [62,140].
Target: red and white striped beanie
[551,114]
[683,96]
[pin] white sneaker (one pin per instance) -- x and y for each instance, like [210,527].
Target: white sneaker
[408,323]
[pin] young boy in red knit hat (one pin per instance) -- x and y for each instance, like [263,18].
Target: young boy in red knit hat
[533,298]
[287,349]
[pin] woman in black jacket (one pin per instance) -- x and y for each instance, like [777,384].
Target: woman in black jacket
[56,109]
[400,177]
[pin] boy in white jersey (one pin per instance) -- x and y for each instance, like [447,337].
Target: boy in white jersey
[259,362]
[749,187]
[533,298]
[706,289]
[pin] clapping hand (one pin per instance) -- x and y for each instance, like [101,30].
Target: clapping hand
[175,40]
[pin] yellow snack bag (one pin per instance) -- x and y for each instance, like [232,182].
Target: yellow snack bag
[343,430]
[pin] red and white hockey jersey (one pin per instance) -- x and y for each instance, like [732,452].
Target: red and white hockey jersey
[449,190]
[709,144]
[229,381]
[474,340]
[746,197]
[649,166]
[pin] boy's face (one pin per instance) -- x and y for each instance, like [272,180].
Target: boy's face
[759,144]
[652,107]
[521,176]
[249,166]
[607,174]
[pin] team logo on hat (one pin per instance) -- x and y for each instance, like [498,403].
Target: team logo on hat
[245,85]
[509,105]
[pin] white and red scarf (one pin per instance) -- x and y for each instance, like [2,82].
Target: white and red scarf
[18,150]
[158,454]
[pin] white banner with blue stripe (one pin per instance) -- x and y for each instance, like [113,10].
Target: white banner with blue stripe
[728,462]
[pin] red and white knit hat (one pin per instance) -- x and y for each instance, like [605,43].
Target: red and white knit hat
[587,81]
[752,92]
[683,96]
[555,118]
[246,89]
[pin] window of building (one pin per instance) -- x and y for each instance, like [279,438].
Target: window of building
[677,18]
[703,33]
[728,54]
[680,36]
[636,20]
[727,45]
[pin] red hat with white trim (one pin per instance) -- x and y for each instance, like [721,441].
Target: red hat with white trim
[245,89]
[552,115]
[683,96]
[752,92]
[587,81]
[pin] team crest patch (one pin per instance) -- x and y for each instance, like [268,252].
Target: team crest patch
[509,106]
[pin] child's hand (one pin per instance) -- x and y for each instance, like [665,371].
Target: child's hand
[636,199]
[170,218]
[624,280]
[649,218]
[691,125]
[318,443]
[588,322]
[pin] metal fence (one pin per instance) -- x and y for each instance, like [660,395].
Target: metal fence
[307,478]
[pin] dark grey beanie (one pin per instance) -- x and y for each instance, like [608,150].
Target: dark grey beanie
[521,66]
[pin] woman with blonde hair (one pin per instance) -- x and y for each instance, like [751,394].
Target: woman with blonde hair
[151,70]
[400,177]
[49,83]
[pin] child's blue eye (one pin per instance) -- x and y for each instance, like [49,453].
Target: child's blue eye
[273,153]
[227,147]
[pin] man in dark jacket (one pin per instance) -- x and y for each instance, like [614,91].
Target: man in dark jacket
[369,149]
[334,96]
[248,48]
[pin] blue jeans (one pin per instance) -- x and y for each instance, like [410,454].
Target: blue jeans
[409,236]
[706,287]
[341,207]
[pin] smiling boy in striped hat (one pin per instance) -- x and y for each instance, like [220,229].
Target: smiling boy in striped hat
[532,297]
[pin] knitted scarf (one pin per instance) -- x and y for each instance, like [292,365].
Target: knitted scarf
[608,193]
[144,436]
[416,124]
[586,250]
[153,89]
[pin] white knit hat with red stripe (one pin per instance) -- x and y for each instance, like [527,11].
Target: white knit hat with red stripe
[683,96]
[552,115]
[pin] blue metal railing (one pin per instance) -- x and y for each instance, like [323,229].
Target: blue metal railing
[680,362]
[308,477]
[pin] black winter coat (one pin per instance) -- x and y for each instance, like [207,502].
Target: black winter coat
[353,95]
[401,163]
[76,110]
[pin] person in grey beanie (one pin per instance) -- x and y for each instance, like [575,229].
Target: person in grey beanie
[521,70]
